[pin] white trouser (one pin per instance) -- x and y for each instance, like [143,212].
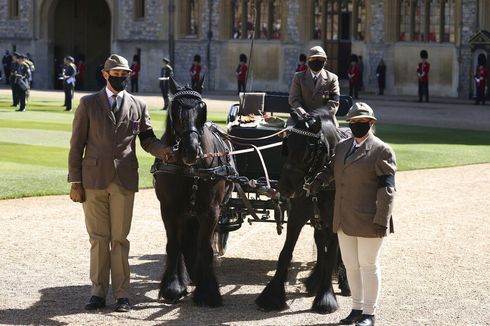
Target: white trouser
[361,260]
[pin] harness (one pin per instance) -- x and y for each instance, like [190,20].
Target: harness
[317,170]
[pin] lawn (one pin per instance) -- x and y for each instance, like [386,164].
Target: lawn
[34,147]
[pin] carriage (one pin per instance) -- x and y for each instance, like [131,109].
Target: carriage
[222,177]
[256,125]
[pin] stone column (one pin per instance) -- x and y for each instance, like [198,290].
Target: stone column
[467,29]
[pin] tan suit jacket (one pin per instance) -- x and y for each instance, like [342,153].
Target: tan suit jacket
[360,201]
[305,94]
[102,149]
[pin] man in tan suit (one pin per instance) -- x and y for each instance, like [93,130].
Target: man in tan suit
[103,170]
[315,87]
[364,172]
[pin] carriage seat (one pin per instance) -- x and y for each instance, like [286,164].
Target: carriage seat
[251,103]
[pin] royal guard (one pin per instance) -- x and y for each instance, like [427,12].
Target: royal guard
[353,74]
[481,76]
[423,76]
[195,73]
[241,73]
[302,63]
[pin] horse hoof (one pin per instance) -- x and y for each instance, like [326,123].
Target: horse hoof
[325,303]
[272,298]
[172,296]
[200,298]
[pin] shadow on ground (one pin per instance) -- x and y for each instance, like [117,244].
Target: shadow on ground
[235,272]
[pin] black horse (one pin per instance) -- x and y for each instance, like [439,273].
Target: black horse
[309,149]
[191,192]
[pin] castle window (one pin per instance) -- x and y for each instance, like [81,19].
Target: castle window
[139,9]
[262,19]
[426,20]
[14,8]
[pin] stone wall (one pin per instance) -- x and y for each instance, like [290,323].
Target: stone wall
[147,28]
[17,27]
[468,29]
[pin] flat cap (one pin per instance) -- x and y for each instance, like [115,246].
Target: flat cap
[360,110]
[116,61]
[317,52]
[70,58]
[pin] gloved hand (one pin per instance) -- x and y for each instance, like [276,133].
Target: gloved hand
[77,193]
[300,111]
[167,155]
[380,230]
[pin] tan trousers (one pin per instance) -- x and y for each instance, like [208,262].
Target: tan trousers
[108,214]
[361,260]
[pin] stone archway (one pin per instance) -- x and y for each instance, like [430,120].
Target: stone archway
[82,29]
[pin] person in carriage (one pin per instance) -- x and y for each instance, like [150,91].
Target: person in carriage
[315,87]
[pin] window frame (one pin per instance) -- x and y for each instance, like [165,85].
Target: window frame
[13,9]
[139,12]
[423,20]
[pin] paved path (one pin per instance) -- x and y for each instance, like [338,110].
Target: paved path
[436,267]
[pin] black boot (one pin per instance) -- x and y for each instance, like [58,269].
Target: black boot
[351,318]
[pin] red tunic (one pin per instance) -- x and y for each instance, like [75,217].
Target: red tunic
[423,72]
[195,71]
[353,73]
[242,72]
[481,77]
[301,67]
[81,71]
[135,70]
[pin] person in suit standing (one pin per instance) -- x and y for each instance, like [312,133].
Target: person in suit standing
[69,77]
[6,63]
[241,73]
[381,75]
[22,78]
[13,68]
[103,171]
[315,87]
[423,76]
[165,73]
[364,173]
[195,73]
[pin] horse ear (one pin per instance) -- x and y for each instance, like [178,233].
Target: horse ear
[174,86]
[204,110]
[317,124]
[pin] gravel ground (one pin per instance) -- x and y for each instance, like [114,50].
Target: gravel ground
[436,268]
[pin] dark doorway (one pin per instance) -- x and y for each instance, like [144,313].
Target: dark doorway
[82,29]
[336,34]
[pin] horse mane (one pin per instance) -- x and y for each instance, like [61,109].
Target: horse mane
[328,128]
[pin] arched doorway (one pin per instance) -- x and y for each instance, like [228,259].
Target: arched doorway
[82,29]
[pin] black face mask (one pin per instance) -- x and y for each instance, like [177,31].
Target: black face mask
[359,129]
[118,83]
[316,65]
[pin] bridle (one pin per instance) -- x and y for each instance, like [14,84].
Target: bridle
[185,93]
[320,160]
